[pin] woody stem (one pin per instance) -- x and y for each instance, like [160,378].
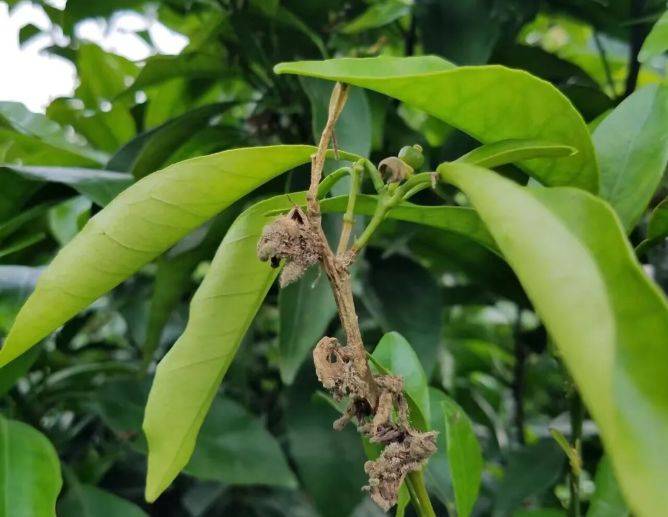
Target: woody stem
[335,267]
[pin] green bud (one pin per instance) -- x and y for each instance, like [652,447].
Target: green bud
[412,155]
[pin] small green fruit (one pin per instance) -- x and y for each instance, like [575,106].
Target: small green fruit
[412,155]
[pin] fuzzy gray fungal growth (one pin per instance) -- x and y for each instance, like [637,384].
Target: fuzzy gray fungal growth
[291,239]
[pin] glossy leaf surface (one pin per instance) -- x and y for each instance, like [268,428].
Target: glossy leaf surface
[490,103]
[570,254]
[632,146]
[656,42]
[136,227]
[464,457]
[29,471]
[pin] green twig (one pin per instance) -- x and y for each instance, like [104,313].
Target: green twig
[349,216]
[577,416]
[419,495]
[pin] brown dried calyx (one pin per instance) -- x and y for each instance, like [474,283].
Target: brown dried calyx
[385,421]
[290,238]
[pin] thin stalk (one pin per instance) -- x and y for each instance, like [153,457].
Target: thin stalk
[577,417]
[419,496]
[349,216]
[332,179]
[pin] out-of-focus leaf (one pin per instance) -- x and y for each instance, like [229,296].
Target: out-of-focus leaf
[632,145]
[90,501]
[531,471]
[437,473]
[161,68]
[329,464]
[98,185]
[306,308]
[604,283]
[149,151]
[396,356]
[490,103]
[102,75]
[28,32]
[404,296]
[16,283]
[607,500]
[657,228]
[17,368]
[67,218]
[139,225]
[29,471]
[472,27]
[377,15]
[656,42]
[353,129]
[234,448]
[464,457]
[21,243]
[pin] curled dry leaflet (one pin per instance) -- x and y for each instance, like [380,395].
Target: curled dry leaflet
[290,238]
[376,402]
[406,449]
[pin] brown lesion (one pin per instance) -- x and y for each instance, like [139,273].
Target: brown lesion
[376,403]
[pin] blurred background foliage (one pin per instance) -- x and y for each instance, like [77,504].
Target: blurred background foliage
[267,447]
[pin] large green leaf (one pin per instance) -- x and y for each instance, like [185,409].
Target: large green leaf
[656,42]
[464,457]
[377,15]
[570,254]
[91,501]
[188,377]
[632,146]
[490,103]
[29,471]
[142,222]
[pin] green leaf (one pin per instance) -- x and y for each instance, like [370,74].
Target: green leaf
[632,145]
[454,219]
[377,15]
[67,218]
[490,103]
[607,500]
[16,283]
[192,65]
[656,42]
[530,472]
[657,228]
[149,151]
[437,473]
[396,356]
[102,75]
[91,501]
[221,311]
[464,457]
[573,259]
[30,473]
[330,464]
[306,308]
[404,296]
[98,185]
[510,151]
[234,448]
[136,227]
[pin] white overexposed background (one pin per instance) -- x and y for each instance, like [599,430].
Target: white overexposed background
[34,77]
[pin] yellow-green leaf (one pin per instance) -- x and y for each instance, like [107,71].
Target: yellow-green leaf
[137,226]
[609,321]
[490,103]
